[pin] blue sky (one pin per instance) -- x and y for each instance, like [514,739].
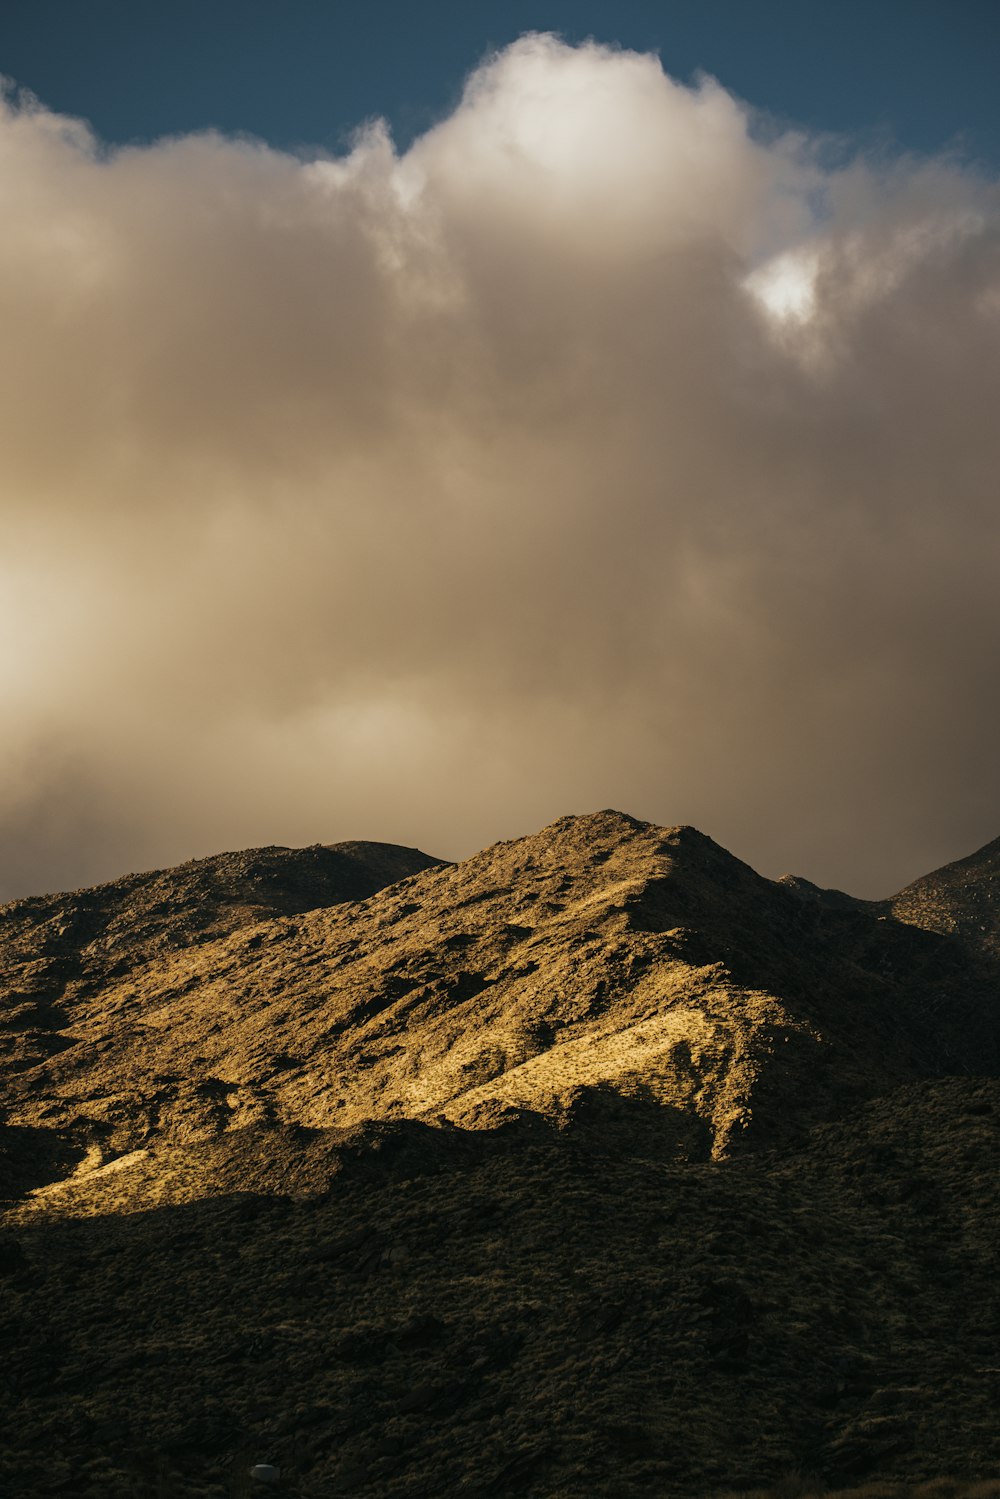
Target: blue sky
[915,74]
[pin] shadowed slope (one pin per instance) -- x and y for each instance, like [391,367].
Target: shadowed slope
[476,1313]
[961,899]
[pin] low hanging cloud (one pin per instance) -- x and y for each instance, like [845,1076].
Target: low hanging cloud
[603,448]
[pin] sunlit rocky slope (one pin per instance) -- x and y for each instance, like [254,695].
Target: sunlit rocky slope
[500,1177]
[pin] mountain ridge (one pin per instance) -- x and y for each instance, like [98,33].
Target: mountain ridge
[594,1164]
[602,956]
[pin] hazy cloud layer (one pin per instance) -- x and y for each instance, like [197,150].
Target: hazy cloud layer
[597,451]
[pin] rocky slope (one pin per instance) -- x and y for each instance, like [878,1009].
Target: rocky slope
[503,1178]
[59,952]
[962,898]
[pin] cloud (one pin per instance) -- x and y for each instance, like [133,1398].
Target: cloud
[597,450]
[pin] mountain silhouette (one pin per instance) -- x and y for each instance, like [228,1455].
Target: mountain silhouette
[596,1163]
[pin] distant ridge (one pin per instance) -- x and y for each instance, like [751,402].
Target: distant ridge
[961,898]
[141,916]
[833,900]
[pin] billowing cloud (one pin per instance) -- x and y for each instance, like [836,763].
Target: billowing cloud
[601,449]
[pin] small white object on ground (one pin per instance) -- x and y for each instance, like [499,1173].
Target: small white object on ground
[264,1473]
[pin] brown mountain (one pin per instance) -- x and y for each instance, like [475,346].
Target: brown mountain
[501,1178]
[963,898]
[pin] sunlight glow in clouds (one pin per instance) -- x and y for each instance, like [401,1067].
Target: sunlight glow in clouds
[595,451]
[786,285]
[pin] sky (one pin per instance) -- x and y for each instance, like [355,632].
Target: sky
[417,428]
[305,73]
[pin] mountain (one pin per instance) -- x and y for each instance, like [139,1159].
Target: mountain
[87,937]
[962,898]
[58,950]
[501,1177]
